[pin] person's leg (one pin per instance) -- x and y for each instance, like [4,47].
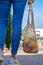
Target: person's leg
[4,14]
[18,9]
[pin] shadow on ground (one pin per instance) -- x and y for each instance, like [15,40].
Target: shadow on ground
[27,59]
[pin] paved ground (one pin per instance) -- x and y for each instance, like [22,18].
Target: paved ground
[26,59]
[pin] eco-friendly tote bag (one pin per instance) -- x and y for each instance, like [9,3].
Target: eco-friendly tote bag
[30,44]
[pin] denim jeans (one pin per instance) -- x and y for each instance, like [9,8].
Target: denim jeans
[18,9]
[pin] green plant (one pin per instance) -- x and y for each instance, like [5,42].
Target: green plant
[8,35]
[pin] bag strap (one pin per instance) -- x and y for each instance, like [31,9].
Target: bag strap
[32,25]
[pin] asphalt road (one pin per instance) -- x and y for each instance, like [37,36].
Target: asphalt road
[27,59]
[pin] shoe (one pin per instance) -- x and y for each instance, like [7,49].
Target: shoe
[12,61]
[1,57]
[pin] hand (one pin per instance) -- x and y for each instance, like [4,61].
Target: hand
[30,1]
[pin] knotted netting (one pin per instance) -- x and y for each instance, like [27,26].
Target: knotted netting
[30,44]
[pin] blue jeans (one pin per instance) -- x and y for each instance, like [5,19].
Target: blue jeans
[18,9]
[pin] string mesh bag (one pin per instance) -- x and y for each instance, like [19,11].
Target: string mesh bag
[30,44]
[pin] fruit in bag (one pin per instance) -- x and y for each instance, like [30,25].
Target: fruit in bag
[30,45]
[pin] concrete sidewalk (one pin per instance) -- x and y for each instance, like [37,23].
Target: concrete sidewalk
[26,59]
[21,52]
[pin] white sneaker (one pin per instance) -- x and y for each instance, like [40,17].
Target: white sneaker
[1,57]
[12,61]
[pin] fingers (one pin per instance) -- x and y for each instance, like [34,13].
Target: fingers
[30,1]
